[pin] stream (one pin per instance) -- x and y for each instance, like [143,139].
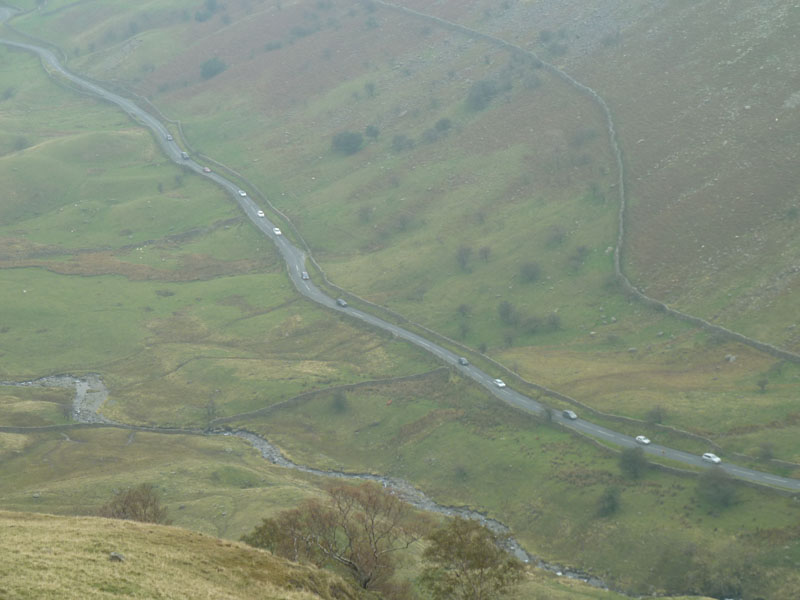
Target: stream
[91,393]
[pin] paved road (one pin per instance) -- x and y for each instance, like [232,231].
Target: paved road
[295,262]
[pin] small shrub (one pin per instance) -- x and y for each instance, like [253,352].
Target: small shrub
[717,488]
[608,503]
[657,414]
[371,131]
[463,256]
[632,462]
[507,312]
[347,142]
[481,94]
[339,402]
[212,67]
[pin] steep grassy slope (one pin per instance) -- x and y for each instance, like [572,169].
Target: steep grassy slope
[58,557]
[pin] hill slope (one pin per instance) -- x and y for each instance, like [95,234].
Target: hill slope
[45,556]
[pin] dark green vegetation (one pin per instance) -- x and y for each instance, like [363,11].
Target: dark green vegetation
[123,264]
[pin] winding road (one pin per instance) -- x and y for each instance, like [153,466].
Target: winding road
[295,261]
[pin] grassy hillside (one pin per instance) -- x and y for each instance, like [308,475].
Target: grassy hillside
[452,209]
[169,562]
[128,266]
[59,557]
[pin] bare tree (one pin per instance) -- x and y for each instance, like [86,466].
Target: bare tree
[140,503]
[357,527]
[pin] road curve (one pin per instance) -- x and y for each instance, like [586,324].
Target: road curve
[295,262]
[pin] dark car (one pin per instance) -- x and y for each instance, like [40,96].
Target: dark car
[341,302]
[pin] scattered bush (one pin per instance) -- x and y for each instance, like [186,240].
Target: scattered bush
[717,488]
[507,313]
[463,256]
[657,414]
[481,94]
[530,272]
[608,503]
[212,67]
[371,131]
[632,462]
[347,142]
[339,401]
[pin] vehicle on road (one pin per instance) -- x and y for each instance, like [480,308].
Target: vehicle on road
[184,155]
[641,439]
[500,383]
[304,276]
[569,414]
[260,213]
[341,302]
[206,170]
[463,361]
[712,458]
[276,231]
[242,193]
[169,137]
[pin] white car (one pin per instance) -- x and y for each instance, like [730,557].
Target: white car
[500,383]
[712,458]
[569,414]
[304,276]
[640,439]
[276,231]
[242,193]
[260,213]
